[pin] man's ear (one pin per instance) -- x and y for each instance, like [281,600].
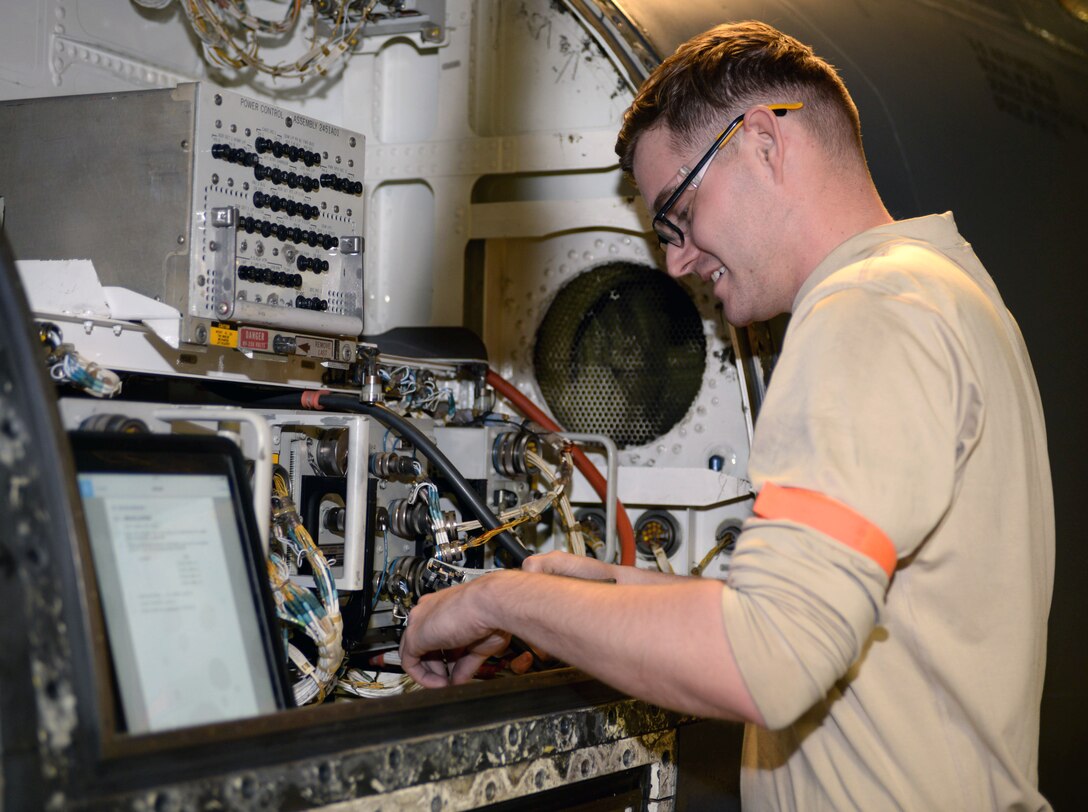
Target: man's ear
[763,136]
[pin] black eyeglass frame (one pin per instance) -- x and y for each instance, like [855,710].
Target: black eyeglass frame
[666,230]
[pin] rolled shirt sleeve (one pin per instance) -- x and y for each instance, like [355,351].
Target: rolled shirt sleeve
[872,404]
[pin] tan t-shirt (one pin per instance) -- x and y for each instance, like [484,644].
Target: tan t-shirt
[904,390]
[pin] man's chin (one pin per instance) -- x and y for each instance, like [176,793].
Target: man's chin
[736,319]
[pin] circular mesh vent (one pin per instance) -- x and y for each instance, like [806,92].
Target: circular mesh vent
[621,352]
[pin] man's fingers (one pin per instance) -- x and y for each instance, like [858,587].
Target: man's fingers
[466,667]
[430,671]
[554,563]
[558,562]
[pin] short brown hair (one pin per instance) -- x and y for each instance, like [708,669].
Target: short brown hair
[719,74]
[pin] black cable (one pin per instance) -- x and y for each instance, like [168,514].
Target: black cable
[387,417]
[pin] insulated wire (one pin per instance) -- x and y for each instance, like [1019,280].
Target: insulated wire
[318,616]
[73,368]
[588,469]
[228,35]
[574,534]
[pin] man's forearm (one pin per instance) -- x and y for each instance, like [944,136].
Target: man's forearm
[665,643]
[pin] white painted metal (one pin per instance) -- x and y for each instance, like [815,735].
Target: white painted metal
[499,136]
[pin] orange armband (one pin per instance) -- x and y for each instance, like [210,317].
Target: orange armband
[830,517]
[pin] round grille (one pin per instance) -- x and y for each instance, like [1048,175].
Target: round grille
[621,352]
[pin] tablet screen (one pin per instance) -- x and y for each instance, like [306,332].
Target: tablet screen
[187,629]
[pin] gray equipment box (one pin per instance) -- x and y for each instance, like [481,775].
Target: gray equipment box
[230,209]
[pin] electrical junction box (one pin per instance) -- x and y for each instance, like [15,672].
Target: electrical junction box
[233,211]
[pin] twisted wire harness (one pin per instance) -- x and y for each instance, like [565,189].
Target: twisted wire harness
[315,615]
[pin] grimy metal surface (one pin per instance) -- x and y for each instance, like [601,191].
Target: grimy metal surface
[465,769]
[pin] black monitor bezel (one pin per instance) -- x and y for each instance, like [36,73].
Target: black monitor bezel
[107,452]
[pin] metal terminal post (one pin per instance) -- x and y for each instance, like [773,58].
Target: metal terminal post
[371,391]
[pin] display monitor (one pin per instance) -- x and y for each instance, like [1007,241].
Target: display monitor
[181,580]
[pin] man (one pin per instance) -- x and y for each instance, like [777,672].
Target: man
[882,629]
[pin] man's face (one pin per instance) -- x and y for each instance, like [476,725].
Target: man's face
[726,237]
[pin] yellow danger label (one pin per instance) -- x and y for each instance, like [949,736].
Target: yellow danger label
[223,337]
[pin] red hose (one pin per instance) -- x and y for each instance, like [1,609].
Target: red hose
[623,524]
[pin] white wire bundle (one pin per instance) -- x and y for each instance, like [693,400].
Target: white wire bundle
[431,497]
[402,379]
[558,482]
[228,35]
[380,685]
[298,607]
[529,510]
[73,368]
[317,616]
[432,397]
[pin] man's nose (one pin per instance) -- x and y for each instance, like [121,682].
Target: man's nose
[679,259]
